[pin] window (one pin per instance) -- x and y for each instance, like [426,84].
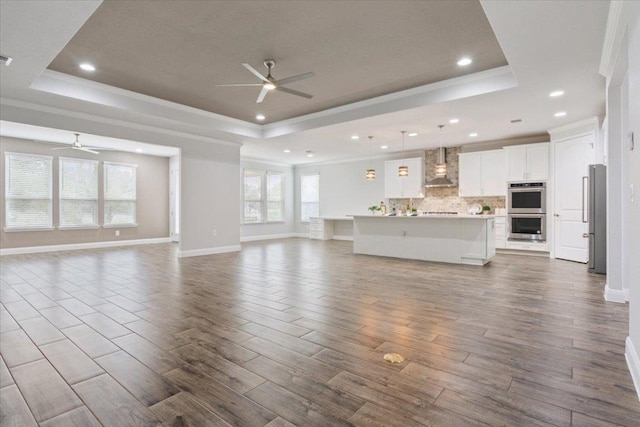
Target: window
[119,194]
[309,196]
[78,192]
[252,212]
[275,196]
[255,193]
[28,191]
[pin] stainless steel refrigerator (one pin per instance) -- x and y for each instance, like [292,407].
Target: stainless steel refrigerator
[597,209]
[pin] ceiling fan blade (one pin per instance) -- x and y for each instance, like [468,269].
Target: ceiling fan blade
[263,93]
[100,148]
[254,71]
[295,78]
[240,85]
[61,148]
[293,92]
[88,150]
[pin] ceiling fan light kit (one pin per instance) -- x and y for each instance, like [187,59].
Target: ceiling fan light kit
[269,83]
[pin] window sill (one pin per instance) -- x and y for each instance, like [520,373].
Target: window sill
[119,225]
[78,227]
[20,230]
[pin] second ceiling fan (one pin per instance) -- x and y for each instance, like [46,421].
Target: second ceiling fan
[270,83]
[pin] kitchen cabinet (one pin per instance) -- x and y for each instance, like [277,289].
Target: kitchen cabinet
[411,186]
[528,162]
[482,174]
[501,232]
[319,229]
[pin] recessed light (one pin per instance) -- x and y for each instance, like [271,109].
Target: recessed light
[138,150]
[87,67]
[260,117]
[473,134]
[560,114]
[556,93]
[309,155]
[384,147]
[464,61]
[454,121]
[413,134]
[355,137]
[287,151]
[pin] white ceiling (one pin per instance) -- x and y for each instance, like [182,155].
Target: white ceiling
[548,45]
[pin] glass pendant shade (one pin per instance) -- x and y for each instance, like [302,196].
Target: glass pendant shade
[403,171]
[371,174]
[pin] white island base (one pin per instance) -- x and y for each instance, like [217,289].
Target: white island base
[459,239]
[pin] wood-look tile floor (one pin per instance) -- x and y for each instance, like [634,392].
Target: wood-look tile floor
[293,332]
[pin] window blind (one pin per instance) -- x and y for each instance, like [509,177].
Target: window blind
[119,194]
[28,191]
[253,197]
[78,192]
[275,197]
[309,196]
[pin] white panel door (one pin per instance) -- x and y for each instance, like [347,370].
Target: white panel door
[470,175]
[572,158]
[494,173]
[538,163]
[517,164]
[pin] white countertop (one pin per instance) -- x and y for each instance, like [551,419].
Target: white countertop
[459,216]
[333,218]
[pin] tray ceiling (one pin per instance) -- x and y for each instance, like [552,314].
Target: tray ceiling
[179,51]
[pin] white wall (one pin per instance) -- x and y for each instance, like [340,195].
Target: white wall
[210,188]
[343,188]
[276,229]
[633,244]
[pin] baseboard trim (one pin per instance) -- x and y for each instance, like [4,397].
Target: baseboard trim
[78,246]
[267,237]
[348,238]
[633,362]
[208,251]
[615,295]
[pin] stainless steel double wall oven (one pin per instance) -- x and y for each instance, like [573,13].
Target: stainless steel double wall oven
[527,211]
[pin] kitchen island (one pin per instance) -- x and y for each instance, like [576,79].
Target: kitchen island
[458,239]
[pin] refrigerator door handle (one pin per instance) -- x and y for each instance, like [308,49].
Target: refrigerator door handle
[584,186]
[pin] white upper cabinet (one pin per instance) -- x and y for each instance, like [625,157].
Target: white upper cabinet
[528,162]
[411,186]
[482,173]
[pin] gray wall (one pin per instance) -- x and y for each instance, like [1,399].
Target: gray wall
[152,192]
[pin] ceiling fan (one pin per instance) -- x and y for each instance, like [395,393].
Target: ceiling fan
[78,146]
[269,83]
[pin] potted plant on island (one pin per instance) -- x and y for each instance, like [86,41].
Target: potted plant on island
[374,208]
[486,209]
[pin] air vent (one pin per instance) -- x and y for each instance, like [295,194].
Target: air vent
[516,121]
[5,60]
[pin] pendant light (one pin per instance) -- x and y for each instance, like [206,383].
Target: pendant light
[403,171]
[441,165]
[371,173]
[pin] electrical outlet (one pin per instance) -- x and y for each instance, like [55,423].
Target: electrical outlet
[215,233]
[117,233]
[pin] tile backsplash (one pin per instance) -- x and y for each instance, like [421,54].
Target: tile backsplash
[445,199]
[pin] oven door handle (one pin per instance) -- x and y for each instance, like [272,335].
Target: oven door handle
[585,180]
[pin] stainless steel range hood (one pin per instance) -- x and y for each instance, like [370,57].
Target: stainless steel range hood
[441,179]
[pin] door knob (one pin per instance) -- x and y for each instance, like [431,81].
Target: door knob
[585,235]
